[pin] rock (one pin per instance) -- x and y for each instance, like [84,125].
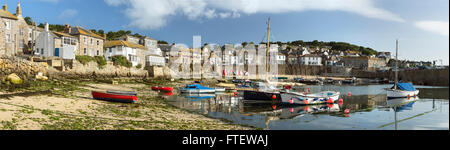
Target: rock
[14,79]
[40,76]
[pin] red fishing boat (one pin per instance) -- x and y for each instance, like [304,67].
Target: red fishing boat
[166,89]
[123,97]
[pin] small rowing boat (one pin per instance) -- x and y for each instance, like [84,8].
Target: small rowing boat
[158,88]
[116,96]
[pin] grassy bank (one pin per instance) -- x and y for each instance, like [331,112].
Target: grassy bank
[68,105]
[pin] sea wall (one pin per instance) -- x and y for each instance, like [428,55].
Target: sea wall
[435,77]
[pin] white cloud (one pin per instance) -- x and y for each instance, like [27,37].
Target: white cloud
[151,14]
[68,13]
[439,27]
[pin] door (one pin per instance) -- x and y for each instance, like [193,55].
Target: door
[57,52]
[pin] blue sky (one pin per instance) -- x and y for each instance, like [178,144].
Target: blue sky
[418,24]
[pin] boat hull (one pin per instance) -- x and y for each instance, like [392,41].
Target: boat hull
[114,97]
[195,91]
[261,96]
[167,89]
[393,94]
[309,99]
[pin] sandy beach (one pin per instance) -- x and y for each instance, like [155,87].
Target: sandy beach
[68,105]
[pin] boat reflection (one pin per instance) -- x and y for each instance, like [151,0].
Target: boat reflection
[399,105]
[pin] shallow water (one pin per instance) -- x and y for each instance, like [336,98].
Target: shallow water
[368,105]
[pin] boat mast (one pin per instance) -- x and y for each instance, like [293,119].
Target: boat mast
[396,65]
[268,48]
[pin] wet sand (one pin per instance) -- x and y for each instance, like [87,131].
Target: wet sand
[69,106]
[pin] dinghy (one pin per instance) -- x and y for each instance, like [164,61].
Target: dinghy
[197,88]
[166,89]
[116,96]
[310,99]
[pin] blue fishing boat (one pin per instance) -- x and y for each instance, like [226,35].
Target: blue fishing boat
[197,88]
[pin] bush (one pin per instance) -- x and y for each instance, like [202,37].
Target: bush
[122,61]
[101,61]
[139,66]
[84,59]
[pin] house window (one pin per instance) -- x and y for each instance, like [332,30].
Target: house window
[8,24]
[98,42]
[21,32]
[92,41]
[22,43]
[67,41]
[42,51]
[98,53]
[85,40]
[8,38]
[85,51]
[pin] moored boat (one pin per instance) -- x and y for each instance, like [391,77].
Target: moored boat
[402,90]
[197,88]
[262,92]
[158,88]
[115,96]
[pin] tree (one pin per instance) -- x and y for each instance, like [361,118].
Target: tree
[162,42]
[244,44]
[28,20]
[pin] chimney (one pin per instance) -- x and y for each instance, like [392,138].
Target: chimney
[67,29]
[46,27]
[18,10]
[5,7]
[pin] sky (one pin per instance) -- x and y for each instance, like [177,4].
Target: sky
[422,27]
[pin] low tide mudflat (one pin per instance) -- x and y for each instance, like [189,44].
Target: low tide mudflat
[68,105]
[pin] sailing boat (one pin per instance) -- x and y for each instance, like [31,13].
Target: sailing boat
[401,90]
[265,91]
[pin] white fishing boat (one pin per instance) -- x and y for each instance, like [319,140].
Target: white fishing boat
[401,90]
[310,99]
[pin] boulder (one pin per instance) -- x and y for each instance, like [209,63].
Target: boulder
[40,76]
[14,79]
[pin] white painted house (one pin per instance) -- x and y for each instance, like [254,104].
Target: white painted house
[55,44]
[133,52]
[311,60]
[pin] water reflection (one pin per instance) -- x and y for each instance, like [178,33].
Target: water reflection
[368,110]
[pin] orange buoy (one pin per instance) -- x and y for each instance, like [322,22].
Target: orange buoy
[306,101]
[274,107]
[330,101]
[347,111]
[235,94]
[349,94]
[274,97]
[341,100]
[330,105]
[291,110]
[291,101]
